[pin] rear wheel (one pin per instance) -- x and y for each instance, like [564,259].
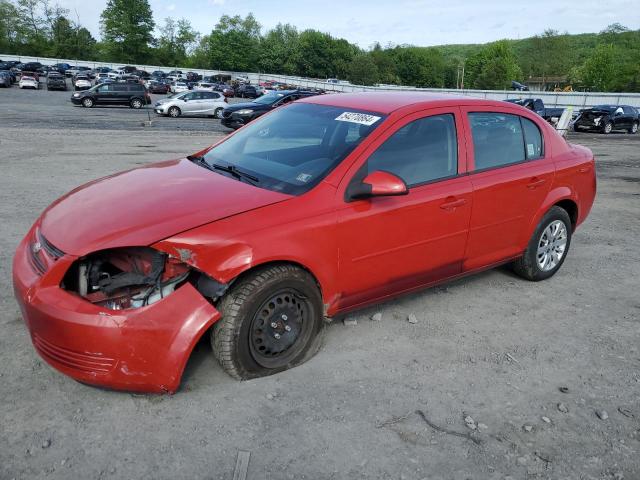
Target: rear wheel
[547,248]
[270,322]
[217,113]
[87,102]
[634,128]
[136,103]
[174,112]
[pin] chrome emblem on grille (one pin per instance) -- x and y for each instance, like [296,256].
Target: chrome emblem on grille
[36,247]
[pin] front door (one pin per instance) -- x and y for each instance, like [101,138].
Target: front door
[393,244]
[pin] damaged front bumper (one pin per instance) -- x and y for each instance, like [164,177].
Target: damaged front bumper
[142,349]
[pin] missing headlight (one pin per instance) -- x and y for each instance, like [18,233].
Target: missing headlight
[126,277]
[134,277]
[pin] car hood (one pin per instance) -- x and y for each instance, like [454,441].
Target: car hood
[252,105]
[145,205]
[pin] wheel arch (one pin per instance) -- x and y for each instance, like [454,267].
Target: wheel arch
[272,263]
[571,207]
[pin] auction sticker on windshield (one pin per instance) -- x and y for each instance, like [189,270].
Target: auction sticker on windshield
[355,117]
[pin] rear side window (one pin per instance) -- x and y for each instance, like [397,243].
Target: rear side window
[420,152]
[532,139]
[630,110]
[497,139]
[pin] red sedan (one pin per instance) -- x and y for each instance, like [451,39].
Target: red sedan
[322,206]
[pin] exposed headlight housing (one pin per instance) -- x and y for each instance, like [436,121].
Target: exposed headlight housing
[244,111]
[597,120]
[134,277]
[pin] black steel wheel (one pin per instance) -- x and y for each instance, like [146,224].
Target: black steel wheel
[270,322]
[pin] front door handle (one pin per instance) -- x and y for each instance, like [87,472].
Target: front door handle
[535,183]
[451,203]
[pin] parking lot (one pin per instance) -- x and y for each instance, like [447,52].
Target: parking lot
[501,350]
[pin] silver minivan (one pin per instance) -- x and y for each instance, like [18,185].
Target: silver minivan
[210,104]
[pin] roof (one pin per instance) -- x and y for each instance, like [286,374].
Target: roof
[387,102]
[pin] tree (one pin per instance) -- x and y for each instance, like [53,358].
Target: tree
[279,50]
[127,27]
[363,70]
[598,72]
[232,45]
[176,42]
[493,67]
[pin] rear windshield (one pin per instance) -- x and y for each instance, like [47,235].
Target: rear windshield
[295,147]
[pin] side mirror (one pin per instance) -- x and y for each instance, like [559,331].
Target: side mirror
[378,184]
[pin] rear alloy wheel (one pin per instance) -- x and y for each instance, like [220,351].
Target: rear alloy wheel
[218,113]
[174,112]
[547,248]
[136,103]
[87,102]
[270,322]
[607,128]
[634,128]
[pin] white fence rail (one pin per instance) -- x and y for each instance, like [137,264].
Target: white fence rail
[551,99]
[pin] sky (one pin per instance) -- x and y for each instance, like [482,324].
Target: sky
[416,22]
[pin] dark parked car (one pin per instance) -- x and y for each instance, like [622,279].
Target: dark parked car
[55,81]
[32,67]
[239,114]
[132,94]
[61,67]
[158,74]
[246,91]
[607,118]
[158,87]
[5,78]
[537,105]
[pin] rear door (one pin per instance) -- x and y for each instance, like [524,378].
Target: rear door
[511,173]
[393,244]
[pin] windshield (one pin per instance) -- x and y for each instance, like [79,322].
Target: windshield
[269,98]
[295,147]
[604,107]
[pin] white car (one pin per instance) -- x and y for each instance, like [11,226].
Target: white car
[209,87]
[116,74]
[29,82]
[81,83]
[177,87]
[198,102]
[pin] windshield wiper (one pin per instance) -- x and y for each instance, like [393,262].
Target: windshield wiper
[231,169]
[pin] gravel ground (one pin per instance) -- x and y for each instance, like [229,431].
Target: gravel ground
[529,365]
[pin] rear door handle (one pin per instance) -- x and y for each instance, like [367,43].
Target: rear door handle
[535,183]
[452,203]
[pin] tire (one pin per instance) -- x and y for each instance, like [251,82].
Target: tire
[607,128]
[529,265]
[174,112]
[251,339]
[136,103]
[87,102]
[634,128]
[217,113]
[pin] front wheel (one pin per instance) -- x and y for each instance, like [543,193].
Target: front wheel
[634,128]
[271,320]
[87,102]
[547,248]
[607,128]
[174,112]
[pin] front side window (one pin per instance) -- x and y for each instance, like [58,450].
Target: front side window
[294,148]
[497,139]
[422,151]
